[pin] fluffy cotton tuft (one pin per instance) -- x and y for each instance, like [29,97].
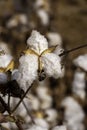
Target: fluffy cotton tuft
[78,85]
[81,61]
[73,116]
[44,16]
[5,60]
[27,70]
[54,39]
[37,42]
[52,65]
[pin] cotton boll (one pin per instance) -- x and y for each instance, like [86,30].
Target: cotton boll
[78,85]
[27,70]
[54,39]
[41,122]
[5,60]
[52,115]
[37,127]
[79,80]
[81,61]
[37,42]
[80,93]
[52,65]
[3,78]
[60,128]
[44,16]
[73,115]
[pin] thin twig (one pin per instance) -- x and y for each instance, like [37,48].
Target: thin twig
[28,112]
[9,100]
[74,49]
[5,105]
[22,98]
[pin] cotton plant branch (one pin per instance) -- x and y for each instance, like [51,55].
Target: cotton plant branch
[21,100]
[73,49]
[16,121]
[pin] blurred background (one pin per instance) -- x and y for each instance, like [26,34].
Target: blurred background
[65,17]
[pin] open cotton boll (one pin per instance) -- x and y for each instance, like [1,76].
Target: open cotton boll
[78,85]
[28,66]
[80,93]
[74,113]
[44,16]
[79,80]
[60,128]
[3,78]
[81,61]
[36,127]
[52,65]
[5,60]
[37,42]
[54,39]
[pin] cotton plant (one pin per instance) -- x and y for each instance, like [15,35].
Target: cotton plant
[73,116]
[38,61]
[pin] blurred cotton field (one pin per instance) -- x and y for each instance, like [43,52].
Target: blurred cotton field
[43,65]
